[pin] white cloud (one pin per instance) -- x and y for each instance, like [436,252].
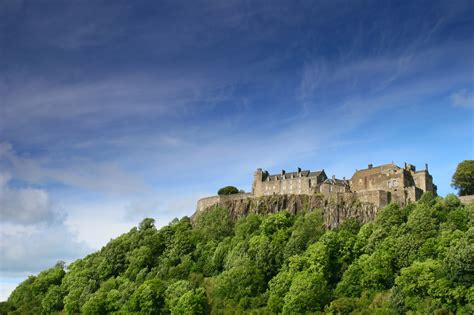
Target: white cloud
[25,251]
[25,205]
[463,98]
[33,235]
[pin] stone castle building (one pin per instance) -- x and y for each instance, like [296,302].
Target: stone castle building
[299,182]
[378,185]
[359,197]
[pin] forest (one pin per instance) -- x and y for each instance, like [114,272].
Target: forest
[417,259]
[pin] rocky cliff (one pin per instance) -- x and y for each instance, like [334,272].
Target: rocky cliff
[336,210]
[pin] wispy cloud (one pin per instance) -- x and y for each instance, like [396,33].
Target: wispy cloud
[27,251]
[104,177]
[463,98]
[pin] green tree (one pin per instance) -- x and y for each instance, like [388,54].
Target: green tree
[96,304]
[148,298]
[238,285]
[175,291]
[278,287]
[307,293]
[53,300]
[192,302]
[415,259]
[307,229]
[213,224]
[227,190]
[463,178]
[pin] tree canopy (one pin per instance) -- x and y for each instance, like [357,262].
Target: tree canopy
[463,178]
[415,259]
[227,190]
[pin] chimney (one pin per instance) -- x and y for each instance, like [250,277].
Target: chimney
[426,167]
[370,166]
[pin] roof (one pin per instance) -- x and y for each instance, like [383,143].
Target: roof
[305,173]
[339,182]
[377,169]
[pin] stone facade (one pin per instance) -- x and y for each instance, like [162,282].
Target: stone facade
[299,182]
[208,202]
[333,185]
[400,185]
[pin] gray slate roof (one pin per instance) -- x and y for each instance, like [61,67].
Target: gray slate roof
[305,173]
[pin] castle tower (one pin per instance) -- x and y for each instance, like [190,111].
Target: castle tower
[257,183]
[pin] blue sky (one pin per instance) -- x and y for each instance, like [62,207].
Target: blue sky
[112,111]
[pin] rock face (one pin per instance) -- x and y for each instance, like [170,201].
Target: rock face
[336,210]
[467,200]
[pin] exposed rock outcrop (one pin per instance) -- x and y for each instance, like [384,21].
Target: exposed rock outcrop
[336,210]
[467,200]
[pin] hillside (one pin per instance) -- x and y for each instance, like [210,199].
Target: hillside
[418,258]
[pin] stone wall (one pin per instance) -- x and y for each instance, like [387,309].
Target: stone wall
[378,198]
[209,202]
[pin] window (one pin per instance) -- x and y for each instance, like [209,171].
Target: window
[392,183]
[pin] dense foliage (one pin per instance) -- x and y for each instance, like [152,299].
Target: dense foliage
[227,190]
[463,178]
[418,258]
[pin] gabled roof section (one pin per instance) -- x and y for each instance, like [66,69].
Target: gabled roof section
[377,169]
[305,173]
[335,181]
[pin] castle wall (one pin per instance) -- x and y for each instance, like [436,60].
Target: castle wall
[424,181]
[326,188]
[301,182]
[208,202]
[296,185]
[385,177]
[379,198]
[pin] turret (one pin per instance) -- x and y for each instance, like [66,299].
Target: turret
[257,182]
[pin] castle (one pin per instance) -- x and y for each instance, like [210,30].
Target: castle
[378,185]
